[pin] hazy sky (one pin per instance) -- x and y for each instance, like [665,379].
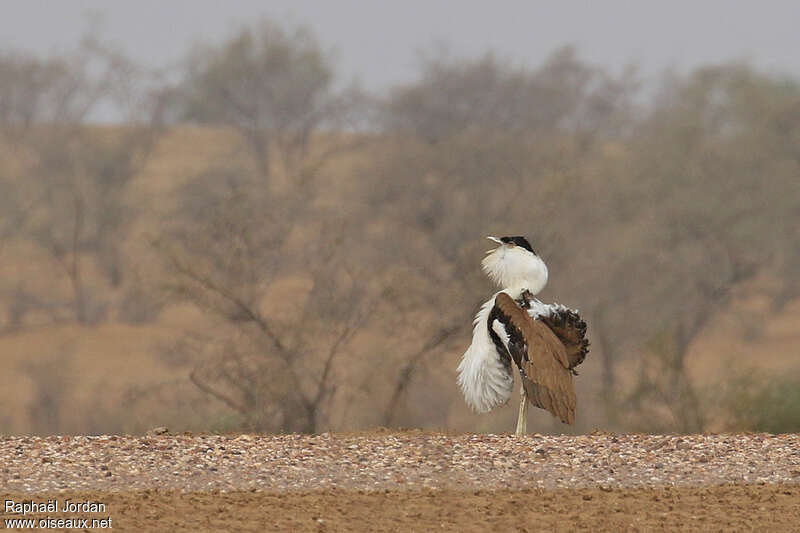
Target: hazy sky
[377,41]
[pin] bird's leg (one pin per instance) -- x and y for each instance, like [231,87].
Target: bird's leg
[522,419]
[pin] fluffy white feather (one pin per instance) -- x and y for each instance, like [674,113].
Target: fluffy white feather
[538,309]
[501,332]
[514,266]
[482,376]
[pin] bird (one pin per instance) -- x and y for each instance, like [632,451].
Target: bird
[544,341]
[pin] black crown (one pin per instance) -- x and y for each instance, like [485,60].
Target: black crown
[519,241]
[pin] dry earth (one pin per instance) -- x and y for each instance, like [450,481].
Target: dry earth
[414,481]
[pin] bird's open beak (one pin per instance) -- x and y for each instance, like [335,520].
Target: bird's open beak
[495,239]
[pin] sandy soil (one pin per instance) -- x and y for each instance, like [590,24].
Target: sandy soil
[771,508]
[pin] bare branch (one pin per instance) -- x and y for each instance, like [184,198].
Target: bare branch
[412,364]
[224,398]
[248,311]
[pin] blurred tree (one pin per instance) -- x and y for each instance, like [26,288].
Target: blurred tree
[71,176]
[718,180]
[270,359]
[752,400]
[491,95]
[271,84]
[53,383]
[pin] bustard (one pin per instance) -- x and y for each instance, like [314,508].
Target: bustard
[544,341]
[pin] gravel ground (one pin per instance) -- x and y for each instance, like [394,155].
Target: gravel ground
[392,461]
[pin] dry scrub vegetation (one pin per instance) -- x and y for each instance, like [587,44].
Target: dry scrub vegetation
[253,247]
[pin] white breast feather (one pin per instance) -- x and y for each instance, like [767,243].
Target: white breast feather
[515,267]
[482,376]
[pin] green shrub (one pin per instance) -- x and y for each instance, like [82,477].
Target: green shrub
[763,403]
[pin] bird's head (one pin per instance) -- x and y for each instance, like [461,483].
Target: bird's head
[514,264]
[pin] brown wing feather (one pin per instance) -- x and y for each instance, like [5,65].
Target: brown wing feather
[571,331]
[542,359]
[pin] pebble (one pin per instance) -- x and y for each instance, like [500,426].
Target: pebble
[390,461]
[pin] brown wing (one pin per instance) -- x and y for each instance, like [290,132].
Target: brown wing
[542,359]
[571,331]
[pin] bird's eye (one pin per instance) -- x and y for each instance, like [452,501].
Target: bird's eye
[512,244]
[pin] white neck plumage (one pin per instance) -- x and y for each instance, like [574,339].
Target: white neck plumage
[514,269]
